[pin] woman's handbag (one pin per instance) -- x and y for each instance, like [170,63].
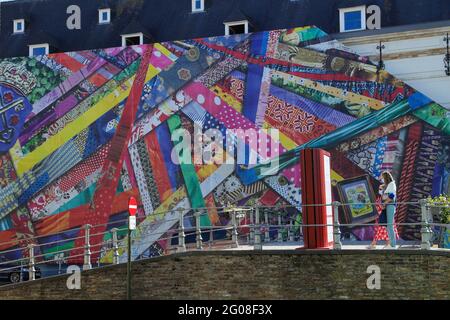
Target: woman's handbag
[382,218]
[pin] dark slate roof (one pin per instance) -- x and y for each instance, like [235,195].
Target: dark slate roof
[235,15]
[173,19]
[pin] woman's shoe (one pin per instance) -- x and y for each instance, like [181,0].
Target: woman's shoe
[371,246]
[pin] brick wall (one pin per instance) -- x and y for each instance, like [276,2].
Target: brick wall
[258,275]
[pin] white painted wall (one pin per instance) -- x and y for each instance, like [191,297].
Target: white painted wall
[424,73]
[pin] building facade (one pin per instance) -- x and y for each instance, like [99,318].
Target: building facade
[91,113]
[412,32]
[67,25]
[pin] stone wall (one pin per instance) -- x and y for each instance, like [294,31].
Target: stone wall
[405,274]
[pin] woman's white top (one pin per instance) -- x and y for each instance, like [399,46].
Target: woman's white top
[390,191]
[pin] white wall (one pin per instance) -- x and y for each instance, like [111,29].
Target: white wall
[414,60]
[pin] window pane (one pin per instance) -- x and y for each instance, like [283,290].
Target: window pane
[353,20]
[105,16]
[237,29]
[39,51]
[132,41]
[19,26]
[198,4]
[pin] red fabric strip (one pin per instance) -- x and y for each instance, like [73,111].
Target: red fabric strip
[67,61]
[107,184]
[158,165]
[407,174]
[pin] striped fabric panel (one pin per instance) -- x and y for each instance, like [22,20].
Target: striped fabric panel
[422,185]
[140,179]
[254,188]
[59,161]
[195,112]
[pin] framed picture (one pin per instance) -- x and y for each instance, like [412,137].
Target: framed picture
[359,195]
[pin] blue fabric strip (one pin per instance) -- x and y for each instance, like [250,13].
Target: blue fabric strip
[418,100]
[252,91]
[166,145]
[438,180]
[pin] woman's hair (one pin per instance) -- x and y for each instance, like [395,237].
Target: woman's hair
[387,177]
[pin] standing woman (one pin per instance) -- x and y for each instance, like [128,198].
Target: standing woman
[389,198]
[381,233]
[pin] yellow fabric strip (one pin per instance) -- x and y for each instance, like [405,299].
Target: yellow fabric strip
[205,171]
[332,91]
[81,123]
[165,51]
[16,153]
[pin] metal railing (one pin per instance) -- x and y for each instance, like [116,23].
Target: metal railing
[248,226]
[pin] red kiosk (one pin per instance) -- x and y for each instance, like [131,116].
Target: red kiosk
[316,189]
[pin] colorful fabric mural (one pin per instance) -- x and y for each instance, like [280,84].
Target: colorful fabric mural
[81,132]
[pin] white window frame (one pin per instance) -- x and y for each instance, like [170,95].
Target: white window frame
[202,6]
[40,45]
[130,35]
[235,23]
[15,24]
[100,16]
[342,13]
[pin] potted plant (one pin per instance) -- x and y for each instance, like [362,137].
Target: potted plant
[440,210]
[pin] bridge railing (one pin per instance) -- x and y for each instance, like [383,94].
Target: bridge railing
[249,226]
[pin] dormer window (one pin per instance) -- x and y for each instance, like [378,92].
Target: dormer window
[104,16]
[352,19]
[38,49]
[236,27]
[198,5]
[19,26]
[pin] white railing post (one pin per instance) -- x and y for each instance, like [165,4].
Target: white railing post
[280,235]
[115,246]
[181,234]
[234,235]
[291,230]
[31,265]
[337,245]
[211,237]
[252,227]
[425,231]
[198,231]
[87,248]
[267,231]
[257,245]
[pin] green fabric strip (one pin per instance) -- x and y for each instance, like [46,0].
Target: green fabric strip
[82,198]
[50,252]
[435,115]
[189,175]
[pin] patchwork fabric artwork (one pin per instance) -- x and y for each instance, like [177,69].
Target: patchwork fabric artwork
[81,132]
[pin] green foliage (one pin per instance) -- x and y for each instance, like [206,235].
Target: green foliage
[443,202]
